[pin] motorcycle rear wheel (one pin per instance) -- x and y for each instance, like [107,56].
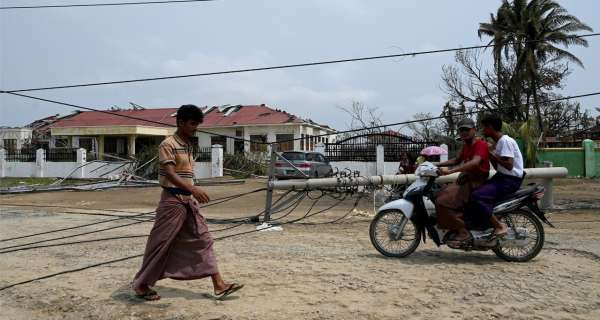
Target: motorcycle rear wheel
[388,239]
[524,219]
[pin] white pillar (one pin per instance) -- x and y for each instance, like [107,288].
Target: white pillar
[271,137]
[40,163]
[52,142]
[297,136]
[230,145]
[320,147]
[80,165]
[131,145]
[2,163]
[216,161]
[75,142]
[380,166]
[444,157]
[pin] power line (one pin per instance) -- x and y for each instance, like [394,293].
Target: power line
[440,117]
[314,136]
[286,66]
[125,116]
[101,4]
[307,215]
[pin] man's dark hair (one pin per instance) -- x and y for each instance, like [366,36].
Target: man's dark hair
[189,112]
[492,120]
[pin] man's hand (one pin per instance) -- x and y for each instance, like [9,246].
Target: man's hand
[444,171]
[200,195]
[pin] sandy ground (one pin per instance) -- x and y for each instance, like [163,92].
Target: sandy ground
[327,271]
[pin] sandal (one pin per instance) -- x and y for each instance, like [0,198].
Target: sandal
[231,289]
[149,295]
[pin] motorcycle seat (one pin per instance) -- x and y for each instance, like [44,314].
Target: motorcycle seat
[521,192]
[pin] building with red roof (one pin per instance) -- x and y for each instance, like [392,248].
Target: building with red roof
[122,132]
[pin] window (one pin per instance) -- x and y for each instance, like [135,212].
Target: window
[287,144]
[116,146]
[239,132]
[10,144]
[294,156]
[258,147]
[86,143]
[62,143]
[302,142]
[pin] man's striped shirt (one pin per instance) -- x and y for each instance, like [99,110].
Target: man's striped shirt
[174,151]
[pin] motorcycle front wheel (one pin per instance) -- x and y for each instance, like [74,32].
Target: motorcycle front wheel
[394,235]
[534,240]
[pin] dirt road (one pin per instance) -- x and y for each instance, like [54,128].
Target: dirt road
[326,271]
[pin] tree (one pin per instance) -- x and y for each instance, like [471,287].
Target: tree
[532,32]
[428,130]
[362,117]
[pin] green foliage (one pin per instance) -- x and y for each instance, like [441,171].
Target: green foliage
[148,155]
[244,165]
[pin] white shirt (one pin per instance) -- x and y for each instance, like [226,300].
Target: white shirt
[507,147]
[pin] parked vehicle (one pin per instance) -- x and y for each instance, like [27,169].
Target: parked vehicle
[399,225]
[312,164]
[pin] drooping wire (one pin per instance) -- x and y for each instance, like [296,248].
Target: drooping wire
[140,255]
[286,66]
[88,5]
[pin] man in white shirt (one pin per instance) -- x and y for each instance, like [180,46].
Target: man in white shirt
[508,162]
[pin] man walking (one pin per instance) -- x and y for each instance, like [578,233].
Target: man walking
[180,246]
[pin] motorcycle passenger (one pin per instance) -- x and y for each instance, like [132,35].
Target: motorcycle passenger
[473,164]
[508,161]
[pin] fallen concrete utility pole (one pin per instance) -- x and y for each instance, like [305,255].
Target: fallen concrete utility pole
[546,174]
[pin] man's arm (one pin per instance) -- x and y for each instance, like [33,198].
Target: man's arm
[467,166]
[506,162]
[451,162]
[175,179]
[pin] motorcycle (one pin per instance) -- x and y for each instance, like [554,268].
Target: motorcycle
[400,224]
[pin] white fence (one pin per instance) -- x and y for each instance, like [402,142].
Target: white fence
[93,169]
[379,167]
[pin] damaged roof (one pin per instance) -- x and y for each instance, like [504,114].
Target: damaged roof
[213,117]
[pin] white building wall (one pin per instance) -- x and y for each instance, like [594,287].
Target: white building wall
[271,131]
[20,169]
[22,135]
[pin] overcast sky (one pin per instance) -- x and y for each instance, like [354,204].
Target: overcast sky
[65,46]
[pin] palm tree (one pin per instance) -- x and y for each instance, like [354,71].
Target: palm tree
[498,30]
[534,31]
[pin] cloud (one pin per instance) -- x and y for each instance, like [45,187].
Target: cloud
[308,93]
[355,8]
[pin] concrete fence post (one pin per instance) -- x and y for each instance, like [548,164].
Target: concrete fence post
[216,161]
[589,158]
[444,157]
[380,165]
[80,165]
[40,163]
[2,163]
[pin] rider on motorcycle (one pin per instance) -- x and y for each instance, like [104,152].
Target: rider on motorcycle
[473,164]
[508,161]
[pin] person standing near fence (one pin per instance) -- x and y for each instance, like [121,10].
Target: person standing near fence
[180,246]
